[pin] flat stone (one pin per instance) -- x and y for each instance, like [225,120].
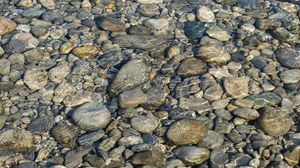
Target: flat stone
[186,131]
[91,137]
[192,155]
[87,51]
[246,113]
[91,116]
[150,1]
[236,87]
[194,30]
[7,26]
[111,24]
[274,121]
[35,78]
[138,41]
[218,158]
[58,73]
[34,55]
[290,76]
[265,98]
[213,92]
[213,54]
[144,124]
[204,14]
[288,57]
[159,26]
[49,4]
[4,67]
[212,140]
[292,157]
[218,33]
[132,98]
[191,67]
[22,42]
[152,158]
[132,74]
[197,104]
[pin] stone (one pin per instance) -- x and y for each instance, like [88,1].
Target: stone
[91,116]
[21,42]
[143,42]
[250,4]
[290,76]
[4,67]
[139,30]
[192,155]
[159,26]
[246,113]
[288,57]
[265,24]
[41,125]
[110,24]
[292,157]
[87,51]
[274,121]
[132,98]
[150,1]
[66,48]
[144,124]
[213,92]
[74,157]
[35,78]
[191,67]
[130,140]
[31,13]
[34,55]
[58,73]
[132,74]
[204,14]
[151,158]
[91,137]
[39,30]
[213,54]
[49,4]
[186,131]
[7,26]
[218,158]
[265,98]
[149,10]
[236,87]
[197,104]
[218,33]
[212,140]
[194,30]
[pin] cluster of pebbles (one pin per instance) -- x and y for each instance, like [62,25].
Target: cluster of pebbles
[149,83]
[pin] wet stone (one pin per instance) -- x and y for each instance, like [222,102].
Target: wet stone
[236,87]
[218,33]
[194,30]
[265,98]
[245,113]
[7,26]
[191,67]
[198,104]
[22,42]
[212,140]
[213,54]
[86,52]
[144,124]
[204,14]
[4,67]
[91,137]
[290,76]
[41,125]
[110,24]
[35,78]
[288,57]
[191,154]
[132,98]
[154,158]
[218,158]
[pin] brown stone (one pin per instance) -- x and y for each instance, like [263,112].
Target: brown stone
[7,26]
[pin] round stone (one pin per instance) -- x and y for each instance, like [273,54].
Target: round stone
[236,87]
[186,131]
[204,14]
[191,67]
[288,57]
[246,113]
[35,78]
[7,26]
[191,154]
[144,124]
[91,116]
[213,54]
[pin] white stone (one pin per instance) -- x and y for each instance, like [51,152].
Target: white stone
[204,14]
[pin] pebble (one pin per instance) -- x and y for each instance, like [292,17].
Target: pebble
[111,24]
[246,113]
[292,157]
[274,121]
[4,67]
[212,140]
[139,41]
[218,158]
[150,1]
[204,14]
[152,158]
[87,51]
[144,124]
[218,33]
[236,87]
[213,54]
[35,78]
[49,4]
[191,154]
[288,57]
[186,131]
[132,98]
[7,26]
[194,30]
[91,116]
[265,98]
[21,42]
[58,73]
[159,26]
[290,76]
[191,67]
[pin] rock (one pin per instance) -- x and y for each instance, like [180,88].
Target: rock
[66,48]
[17,140]
[246,113]
[132,74]
[49,4]
[159,26]
[132,98]
[111,24]
[186,131]
[28,164]
[194,30]
[34,55]
[65,134]
[25,3]
[236,87]
[41,125]
[218,33]
[250,4]
[144,124]
[197,104]
[293,156]
[35,78]
[152,158]
[274,121]
[218,158]
[33,12]
[288,57]
[149,10]
[22,42]
[130,140]
[191,67]
[139,30]
[290,76]
[91,137]
[74,157]
[7,26]
[265,24]
[204,14]
[212,140]
[265,98]
[213,92]
[150,1]
[87,51]
[91,116]
[213,54]
[156,93]
[138,41]
[192,155]
[39,31]
[4,67]
[58,73]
